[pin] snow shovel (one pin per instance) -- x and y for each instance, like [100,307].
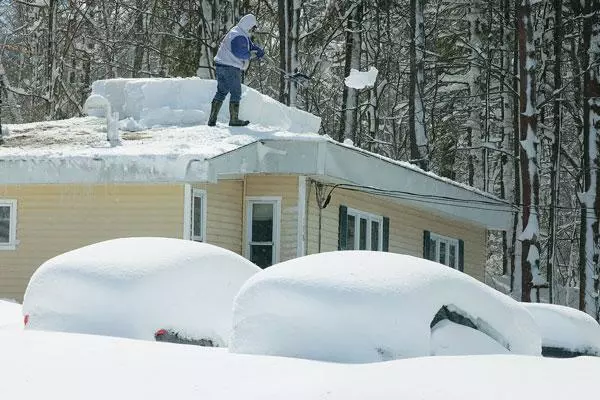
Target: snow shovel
[297,77]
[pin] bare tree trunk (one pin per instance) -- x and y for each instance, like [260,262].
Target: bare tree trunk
[516,253]
[506,181]
[528,154]
[352,61]
[295,7]
[419,147]
[474,126]
[590,200]
[556,144]
[51,58]
[138,53]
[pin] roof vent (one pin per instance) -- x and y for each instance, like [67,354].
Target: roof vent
[98,105]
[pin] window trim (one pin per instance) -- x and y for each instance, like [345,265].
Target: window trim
[276,201]
[202,194]
[12,225]
[188,211]
[370,217]
[451,241]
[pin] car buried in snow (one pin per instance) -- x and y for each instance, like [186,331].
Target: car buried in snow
[145,288]
[363,306]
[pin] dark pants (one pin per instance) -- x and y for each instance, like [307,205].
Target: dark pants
[229,80]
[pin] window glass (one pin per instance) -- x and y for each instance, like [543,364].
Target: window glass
[197,210]
[442,258]
[262,222]
[443,249]
[261,255]
[4,224]
[351,234]
[432,249]
[374,235]
[362,239]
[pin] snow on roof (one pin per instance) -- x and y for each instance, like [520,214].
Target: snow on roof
[132,287]
[566,328]
[42,365]
[158,117]
[163,135]
[362,306]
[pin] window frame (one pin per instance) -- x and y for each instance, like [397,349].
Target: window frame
[12,224]
[449,241]
[370,217]
[188,212]
[201,193]
[276,243]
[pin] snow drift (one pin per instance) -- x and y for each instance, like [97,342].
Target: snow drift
[10,315]
[145,103]
[132,287]
[52,365]
[362,306]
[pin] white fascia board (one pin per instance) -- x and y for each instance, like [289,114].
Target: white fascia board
[366,170]
[105,169]
[353,166]
[269,157]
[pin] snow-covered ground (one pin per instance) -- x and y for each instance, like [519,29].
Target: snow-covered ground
[361,306]
[52,365]
[566,328]
[132,287]
[10,315]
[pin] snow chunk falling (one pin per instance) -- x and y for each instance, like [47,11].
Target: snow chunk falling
[361,80]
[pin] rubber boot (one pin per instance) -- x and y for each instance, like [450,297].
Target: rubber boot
[234,112]
[214,112]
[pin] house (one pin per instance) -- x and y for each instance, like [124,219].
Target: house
[271,191]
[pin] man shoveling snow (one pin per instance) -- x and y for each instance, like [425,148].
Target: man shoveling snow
[232,58]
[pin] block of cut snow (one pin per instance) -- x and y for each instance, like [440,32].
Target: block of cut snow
[187,101]
[132,287]
[362,306]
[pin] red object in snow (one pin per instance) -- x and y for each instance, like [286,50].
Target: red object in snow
[160,332]
[26,319]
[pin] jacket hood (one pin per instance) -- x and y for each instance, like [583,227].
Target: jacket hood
[247,22]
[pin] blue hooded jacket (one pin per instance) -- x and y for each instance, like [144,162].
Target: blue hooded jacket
[236,46]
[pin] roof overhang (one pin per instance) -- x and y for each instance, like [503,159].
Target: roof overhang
[369,172]
[317,157]
[102,169]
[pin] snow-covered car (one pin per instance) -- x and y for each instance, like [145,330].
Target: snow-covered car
[362,306]
[566,332]
[53,365]
[10,315]
[143,288]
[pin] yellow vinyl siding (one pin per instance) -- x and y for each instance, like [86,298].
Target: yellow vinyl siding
[406,227]
[224,214]
[286,187]
[52,219]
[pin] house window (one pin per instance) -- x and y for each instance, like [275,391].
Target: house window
[359,230]
[198,222]
[263,221]
[444,250]
[8,224]
[194,224]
